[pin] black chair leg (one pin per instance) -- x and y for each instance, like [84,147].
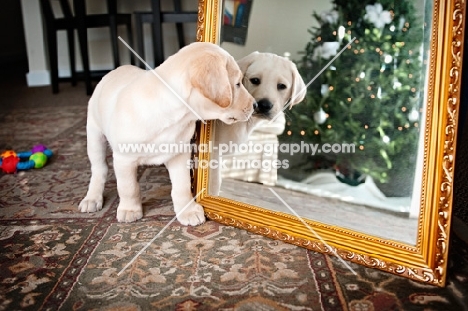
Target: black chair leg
[158,48]
[53,59]
[80,10]
[71,53]
[179,26]
[83,38]
[180,34]
[114,39]
[130,40]
[112,11]
[139,35]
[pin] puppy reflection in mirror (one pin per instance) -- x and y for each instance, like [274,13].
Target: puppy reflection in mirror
[273,81]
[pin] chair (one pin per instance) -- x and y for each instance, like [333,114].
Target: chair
[156,18]
[81,21]
[52,26]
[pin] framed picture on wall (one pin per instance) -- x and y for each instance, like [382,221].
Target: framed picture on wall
[236,15]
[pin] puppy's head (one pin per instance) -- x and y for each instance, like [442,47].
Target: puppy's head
[217,76]
[273,81]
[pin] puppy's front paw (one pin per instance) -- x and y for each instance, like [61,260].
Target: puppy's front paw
[193,215]
[126,214]
[90,205]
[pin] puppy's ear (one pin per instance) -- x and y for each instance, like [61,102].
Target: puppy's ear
[298,88]
[209,74]
[246,61]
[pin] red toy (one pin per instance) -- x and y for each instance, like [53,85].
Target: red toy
[10,161]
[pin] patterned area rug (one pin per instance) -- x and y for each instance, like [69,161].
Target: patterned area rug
[55,258]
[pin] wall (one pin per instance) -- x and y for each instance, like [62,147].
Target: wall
[12,44]
[279,26]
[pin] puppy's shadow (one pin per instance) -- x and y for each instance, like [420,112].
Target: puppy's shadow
[155,190]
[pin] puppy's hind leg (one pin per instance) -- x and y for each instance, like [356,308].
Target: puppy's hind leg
[97,156]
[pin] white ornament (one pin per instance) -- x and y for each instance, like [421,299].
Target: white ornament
[324,88]
[413,116]
[341,33]
[388,58]
[377,15]
[330,17]
[326,50]
[401,23]
[379,93]
[320,116]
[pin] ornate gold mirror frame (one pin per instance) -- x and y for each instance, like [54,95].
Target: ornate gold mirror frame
[427,260]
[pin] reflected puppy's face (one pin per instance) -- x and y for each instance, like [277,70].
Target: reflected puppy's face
[273,81]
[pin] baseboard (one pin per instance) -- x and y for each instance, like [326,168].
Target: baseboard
[38,78]
[42,77]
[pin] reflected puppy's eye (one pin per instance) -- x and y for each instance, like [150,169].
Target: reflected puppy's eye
[255,81]
[238,84]
[281,86]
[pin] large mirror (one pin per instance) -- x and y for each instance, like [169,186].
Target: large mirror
[361,166]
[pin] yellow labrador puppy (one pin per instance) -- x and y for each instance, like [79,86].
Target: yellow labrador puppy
[133,106]
[273,81]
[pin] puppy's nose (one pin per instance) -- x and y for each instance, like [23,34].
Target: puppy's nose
[264,105]
[255,106]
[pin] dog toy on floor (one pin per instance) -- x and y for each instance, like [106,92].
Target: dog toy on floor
[10,161]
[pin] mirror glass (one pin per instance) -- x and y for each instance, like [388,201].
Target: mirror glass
[350,154]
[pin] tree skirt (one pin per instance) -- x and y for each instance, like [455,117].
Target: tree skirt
[325,184]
